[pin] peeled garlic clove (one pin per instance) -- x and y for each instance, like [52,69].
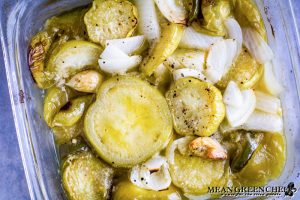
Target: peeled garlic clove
[207,147]
[86,81]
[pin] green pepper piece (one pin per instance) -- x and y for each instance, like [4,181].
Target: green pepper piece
[267,162]
[84,176]
[55,99]
[170,37]
[69,23]
[193,8]
[38,49]
[72,112]
[71,146]
[244,151]
[64,134]
[247,14]
[214,13]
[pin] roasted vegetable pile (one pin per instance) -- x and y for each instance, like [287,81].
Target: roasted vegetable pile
[160,99]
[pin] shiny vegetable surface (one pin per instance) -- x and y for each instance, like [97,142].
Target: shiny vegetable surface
[247,14]
[193,174]
[55,99]
[72,57]
[69,24]
[245,72]
[127,190]
[160,99]
[38,49]
[84,176]
[241,145]
[169,40]
[214,14]
[72,112]
[71,147]
[197,107]
[86,81]
[110,19]
[65,134]
[266,163]
[129,122]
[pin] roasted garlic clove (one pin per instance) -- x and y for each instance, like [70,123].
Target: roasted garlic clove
[86,81]
[207,147]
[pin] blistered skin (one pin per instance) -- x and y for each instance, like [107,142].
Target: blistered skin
[38,49]
[57,31]
[86,177]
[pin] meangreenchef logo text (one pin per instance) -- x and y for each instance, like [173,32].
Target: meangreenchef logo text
[254,191]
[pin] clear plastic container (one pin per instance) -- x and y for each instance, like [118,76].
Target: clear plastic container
[21,19]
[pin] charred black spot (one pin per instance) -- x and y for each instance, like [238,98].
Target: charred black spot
[67,106]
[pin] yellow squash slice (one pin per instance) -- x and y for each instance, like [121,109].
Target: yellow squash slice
[72,57]
[197,107]
[194,174]
[111,19]
[129,122]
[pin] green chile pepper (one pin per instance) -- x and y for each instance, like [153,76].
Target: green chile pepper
[240,146]
[64,134]
[71,146]
[55,99]
[267,162]
[245,150]
[69,23]
[38,49]
[193,8]
[214,13]
[72,112]
[247,14]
